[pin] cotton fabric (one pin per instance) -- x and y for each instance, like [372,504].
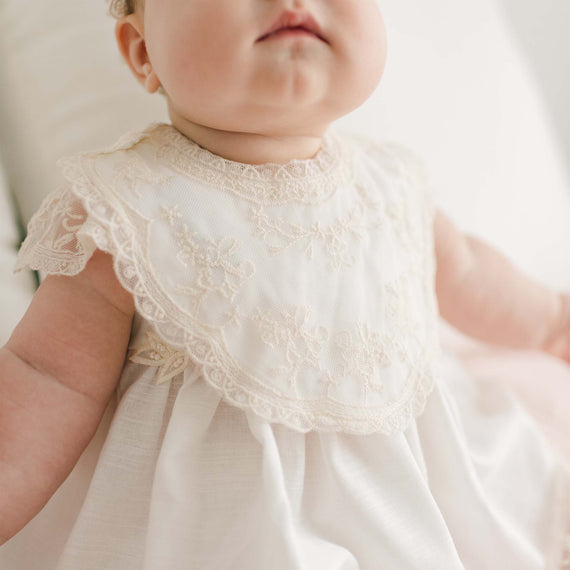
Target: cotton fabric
[264,450]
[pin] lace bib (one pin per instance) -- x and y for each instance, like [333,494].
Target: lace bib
[303,292]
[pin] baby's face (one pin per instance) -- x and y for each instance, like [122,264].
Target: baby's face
[265,66]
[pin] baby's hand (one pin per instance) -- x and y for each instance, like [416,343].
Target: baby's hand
[558,343]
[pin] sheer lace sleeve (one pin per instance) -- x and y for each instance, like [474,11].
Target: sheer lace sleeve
[76,220]
[55,243]
[80,217]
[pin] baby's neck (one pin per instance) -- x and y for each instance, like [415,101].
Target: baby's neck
[249,148]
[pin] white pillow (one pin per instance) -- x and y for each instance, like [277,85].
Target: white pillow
[456,91]
[65,90]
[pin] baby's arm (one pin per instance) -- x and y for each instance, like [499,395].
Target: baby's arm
[482,294]
[57,374]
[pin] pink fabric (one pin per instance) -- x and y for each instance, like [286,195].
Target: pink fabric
[540,382]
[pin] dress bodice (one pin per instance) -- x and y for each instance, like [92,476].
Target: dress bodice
[303,292]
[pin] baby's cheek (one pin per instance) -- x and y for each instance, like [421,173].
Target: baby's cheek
[183,72]
[203,89]
[360,47]
[356,77]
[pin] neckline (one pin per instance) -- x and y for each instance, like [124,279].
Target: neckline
[306,181]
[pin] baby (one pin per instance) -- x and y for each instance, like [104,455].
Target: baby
[261,294]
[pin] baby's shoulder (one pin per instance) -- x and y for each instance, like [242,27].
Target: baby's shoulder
[131,146]
[385,154]
[392,167]
[130,175]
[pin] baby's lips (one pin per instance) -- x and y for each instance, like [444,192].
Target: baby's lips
[294,20]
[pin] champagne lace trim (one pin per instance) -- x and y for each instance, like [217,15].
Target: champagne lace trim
[155,353]
[309,181]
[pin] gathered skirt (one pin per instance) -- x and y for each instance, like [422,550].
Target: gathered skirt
[177,479]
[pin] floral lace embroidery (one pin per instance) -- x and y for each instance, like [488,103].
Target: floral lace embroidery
[357,354]
[133,172]
[155,352]
[335,237]
[304,181]
[170,214]
[217,270]
[64,255]
[301,347]
[69,226]
[362,351]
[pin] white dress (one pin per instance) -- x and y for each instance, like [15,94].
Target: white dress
[285,404]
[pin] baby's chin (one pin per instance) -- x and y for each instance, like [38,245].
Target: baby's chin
[305,112]
[293,90]
[318,100]
[309,116]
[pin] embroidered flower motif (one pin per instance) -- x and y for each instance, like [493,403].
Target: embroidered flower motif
[154,352]
[134,171]
[362,352]
[281,235]
[299,345]
[170,214]
[70,224]
[357,357]
[58,221]
[336,237]
[329,382]
[216,269]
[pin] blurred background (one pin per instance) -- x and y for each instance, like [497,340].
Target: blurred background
[541,27]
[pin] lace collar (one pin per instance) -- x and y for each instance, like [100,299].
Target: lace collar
[234,289]
[309,181]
